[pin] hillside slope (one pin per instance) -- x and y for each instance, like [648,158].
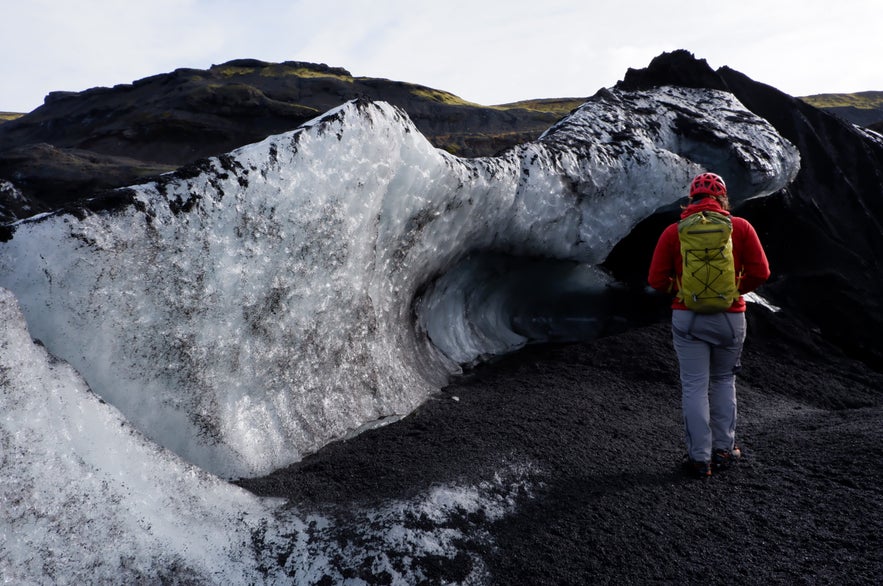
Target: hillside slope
[79,143]
[862,108]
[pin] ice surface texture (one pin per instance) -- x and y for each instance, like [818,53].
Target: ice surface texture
[249,309]
[87,499]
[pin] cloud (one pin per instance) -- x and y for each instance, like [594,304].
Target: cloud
[488,51]
[77,45]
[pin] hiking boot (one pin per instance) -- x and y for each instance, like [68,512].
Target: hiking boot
[723,459]
[696,469]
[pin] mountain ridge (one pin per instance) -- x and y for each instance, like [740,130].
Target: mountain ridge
[861,108]
[168,120]
[80,143]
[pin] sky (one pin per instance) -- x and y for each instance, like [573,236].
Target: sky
[484,51]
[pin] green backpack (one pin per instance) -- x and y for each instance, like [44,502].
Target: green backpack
[708,281]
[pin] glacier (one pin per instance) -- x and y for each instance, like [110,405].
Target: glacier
[246,310]
[87,499]
[228,318]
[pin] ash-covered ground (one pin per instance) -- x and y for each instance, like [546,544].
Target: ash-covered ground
[599,424]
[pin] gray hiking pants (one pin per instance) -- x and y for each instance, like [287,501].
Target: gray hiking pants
[709,347]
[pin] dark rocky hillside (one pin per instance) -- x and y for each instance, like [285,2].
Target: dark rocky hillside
[862,108]
[823,234]
[80,143]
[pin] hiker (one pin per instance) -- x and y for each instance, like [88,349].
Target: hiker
[708,330]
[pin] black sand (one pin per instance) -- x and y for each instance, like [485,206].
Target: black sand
[600,422]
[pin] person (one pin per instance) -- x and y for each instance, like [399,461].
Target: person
[709,345]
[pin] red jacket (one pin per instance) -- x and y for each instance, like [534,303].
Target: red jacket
[752,267]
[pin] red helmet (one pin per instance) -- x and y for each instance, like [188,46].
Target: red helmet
[708,184]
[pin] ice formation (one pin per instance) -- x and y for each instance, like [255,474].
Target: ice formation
[87,499]
[77,477]
[249,309]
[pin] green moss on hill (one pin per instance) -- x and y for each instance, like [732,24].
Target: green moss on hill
[557,106]
[441,97]
[862,100]
[247,67]
[8,116]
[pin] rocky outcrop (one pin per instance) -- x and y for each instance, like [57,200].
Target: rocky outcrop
[51,177]
[823,233]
